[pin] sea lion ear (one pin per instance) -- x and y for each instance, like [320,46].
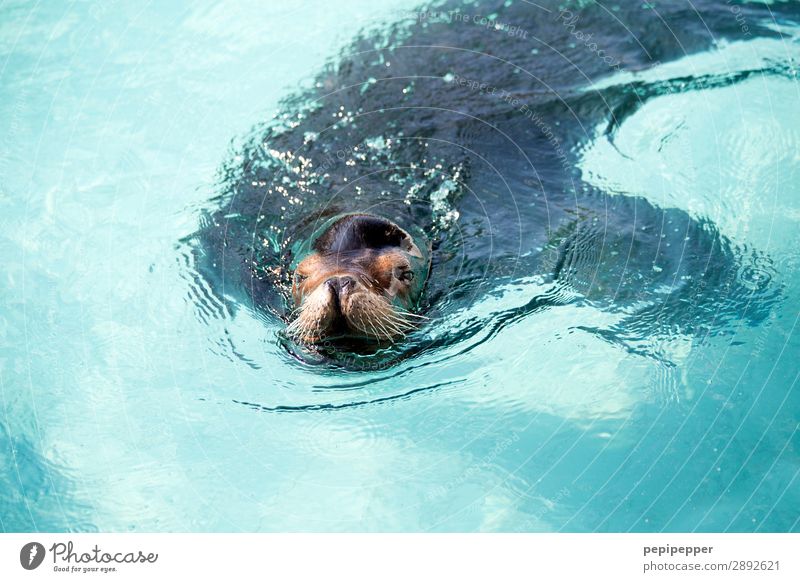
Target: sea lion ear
[409,246]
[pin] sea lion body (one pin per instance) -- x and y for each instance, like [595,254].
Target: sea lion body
[474,137]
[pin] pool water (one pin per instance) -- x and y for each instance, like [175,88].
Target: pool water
[134,398]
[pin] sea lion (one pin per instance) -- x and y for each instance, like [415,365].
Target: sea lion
[361,279]
[475,137]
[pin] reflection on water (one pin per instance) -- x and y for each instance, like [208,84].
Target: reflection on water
[612,333]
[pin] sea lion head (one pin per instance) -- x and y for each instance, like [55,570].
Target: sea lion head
[361,279]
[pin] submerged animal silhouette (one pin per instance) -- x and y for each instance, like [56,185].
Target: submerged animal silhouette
[473,136]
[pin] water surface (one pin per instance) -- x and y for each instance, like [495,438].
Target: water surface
[134,396]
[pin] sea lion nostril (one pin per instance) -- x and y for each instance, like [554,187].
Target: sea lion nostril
[333,284]
[346,283]
[340,284]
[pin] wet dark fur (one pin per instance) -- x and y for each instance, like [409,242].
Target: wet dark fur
[524,207]
[358,232]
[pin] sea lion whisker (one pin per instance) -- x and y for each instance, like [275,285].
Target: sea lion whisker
[375,332]
[399,321]
[388,326]
[398,328]
[388,332]
[398,316]
[404,329]
[365,326]
[296,330]
[358,320]
[406,313]
[379,323]
[295,311]
[385,328]
[395,330]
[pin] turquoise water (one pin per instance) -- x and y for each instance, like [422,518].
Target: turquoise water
[127,389]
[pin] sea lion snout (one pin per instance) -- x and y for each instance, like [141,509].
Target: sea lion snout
[339,288]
